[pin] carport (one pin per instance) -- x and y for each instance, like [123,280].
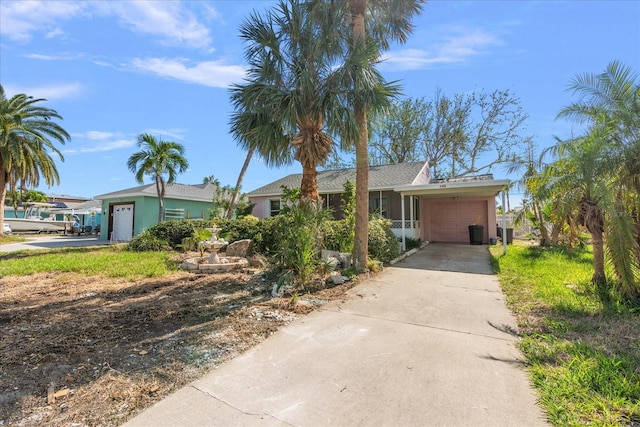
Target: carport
[449,206]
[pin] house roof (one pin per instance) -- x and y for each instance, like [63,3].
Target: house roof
[383,177]
[197,192]
[476,186]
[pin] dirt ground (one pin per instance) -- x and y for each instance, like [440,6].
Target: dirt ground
[94,351]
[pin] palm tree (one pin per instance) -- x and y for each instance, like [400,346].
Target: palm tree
[289,107]
[236,189]
[157,159]
[211,180]
[579,179]
[611,100]
[27,135]
[388,20]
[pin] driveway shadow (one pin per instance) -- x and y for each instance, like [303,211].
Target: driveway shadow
[455,257]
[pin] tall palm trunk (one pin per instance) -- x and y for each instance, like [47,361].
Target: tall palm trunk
[593,219]
[309,183]
[598,256]
[544,234]
[360,245]
[4,178]
[236,190]
[160,191]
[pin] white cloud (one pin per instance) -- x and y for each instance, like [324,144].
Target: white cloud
[207,73]
[55,33]
[58,57]
[50,92]
[97,135]
[171,133]
[20,19]
[455,48]
[171,21]
[98,142]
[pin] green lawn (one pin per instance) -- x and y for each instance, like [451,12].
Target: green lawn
[110,261]
[583,359]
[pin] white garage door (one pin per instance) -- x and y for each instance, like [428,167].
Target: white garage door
[122,222]
[450,220]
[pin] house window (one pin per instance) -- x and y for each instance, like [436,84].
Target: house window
[378,206]
[274,207]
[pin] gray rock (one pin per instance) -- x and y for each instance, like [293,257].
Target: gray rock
[335,279]
[240,248]
[275,292]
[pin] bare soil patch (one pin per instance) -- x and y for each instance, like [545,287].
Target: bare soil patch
[95,351]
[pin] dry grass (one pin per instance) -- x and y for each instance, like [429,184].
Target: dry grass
[80,350]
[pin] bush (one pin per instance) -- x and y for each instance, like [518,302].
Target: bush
[247,227]
[297,235]
[172,233]
[267,239]
[411,243]
[146,241]
[338,235]
[383,244]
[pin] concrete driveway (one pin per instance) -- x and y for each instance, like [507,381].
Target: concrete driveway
[49,241]
[414,346]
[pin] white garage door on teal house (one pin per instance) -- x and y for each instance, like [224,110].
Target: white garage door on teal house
[122,225]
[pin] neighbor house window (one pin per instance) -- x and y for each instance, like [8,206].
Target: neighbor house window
[274,207]
[378,206]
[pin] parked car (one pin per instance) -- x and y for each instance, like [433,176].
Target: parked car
[6,229]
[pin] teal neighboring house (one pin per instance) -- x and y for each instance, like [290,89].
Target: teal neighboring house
[129,212]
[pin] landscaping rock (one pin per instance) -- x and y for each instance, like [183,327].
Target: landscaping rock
[335,279]
[240,248]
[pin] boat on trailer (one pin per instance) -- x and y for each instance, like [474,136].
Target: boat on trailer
[35,221]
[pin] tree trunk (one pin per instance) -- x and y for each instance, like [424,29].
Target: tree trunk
[309,184]
[236,190]
[160,199]
[361,241]
[599,279]
[598,257]
[544,234]
[3,196]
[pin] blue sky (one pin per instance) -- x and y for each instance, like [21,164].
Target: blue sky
[115,69]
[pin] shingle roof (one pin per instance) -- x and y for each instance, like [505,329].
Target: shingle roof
[197,192]
[383,177]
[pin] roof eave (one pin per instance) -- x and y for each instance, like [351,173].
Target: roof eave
[477,188]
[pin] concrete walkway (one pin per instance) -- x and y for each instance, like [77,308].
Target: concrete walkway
[49,241]
[414,346]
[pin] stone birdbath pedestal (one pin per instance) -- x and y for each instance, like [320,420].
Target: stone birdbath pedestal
[214,263]
[214,245]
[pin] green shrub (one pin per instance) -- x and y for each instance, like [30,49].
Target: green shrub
[146,241]
[172,232]
[246,227]
[298,237]
[411,243]
[267,241]
[338,235]
[383,244]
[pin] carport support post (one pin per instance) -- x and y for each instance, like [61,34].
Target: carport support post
[504,224]
[404,242]
[411,217]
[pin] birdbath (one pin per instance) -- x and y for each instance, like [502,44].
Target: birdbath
[214,245]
